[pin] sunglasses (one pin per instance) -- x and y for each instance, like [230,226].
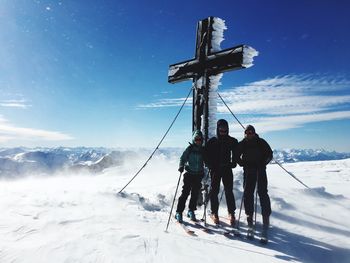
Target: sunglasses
[222,131]
[249,132]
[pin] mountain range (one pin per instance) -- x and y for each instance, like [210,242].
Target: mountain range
[15,162]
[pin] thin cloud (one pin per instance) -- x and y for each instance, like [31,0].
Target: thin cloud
[288,95]
[21,104]
[274,123]
[161,103]
[283,102]
[9,132]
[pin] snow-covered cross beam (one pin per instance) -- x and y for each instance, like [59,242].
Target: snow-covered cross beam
[206,70]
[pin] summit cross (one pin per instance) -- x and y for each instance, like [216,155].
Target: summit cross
[209,61]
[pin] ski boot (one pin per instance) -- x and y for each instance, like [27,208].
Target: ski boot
[231,217]
[250,231]
[266,223]
[191,216]
[215,218]
[178,217]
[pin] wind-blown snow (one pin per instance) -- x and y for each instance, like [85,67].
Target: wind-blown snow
[248,56]
[217,34]
[219,27]
[213,103]
[79,218]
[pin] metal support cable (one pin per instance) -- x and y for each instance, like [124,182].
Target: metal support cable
[231,111]
[291,174]
[166,133]
[280,165]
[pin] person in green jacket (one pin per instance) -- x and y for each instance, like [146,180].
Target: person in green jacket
[192,161]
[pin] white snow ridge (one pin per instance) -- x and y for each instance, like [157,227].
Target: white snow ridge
[81,218]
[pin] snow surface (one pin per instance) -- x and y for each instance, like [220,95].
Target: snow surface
[81,218]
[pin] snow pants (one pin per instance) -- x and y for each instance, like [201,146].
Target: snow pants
[224,174]
[192,185]
[251,176]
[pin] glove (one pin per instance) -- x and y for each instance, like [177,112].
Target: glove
[181,169]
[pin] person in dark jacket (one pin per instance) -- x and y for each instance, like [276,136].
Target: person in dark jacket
[219,154]
[192,161]
[254,153]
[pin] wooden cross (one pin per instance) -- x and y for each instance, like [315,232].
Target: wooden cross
[205,64]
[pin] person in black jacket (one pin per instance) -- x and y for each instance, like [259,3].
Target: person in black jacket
[254,153]
[219,158]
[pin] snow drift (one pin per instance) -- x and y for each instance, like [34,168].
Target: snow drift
[80,218]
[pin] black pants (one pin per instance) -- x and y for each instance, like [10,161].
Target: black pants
[251,175]
[227,179]
[192,184]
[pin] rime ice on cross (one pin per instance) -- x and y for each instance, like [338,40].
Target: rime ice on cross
[208,62]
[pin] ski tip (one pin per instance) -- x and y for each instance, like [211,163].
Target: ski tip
[190,232]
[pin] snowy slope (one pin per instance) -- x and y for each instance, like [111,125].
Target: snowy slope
[79,218]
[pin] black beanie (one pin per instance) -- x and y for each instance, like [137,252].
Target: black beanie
[250,128]
[222,123]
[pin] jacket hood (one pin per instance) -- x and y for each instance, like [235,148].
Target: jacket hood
[195,134]
[221,124]
[250,128]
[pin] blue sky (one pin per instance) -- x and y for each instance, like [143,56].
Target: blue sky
[94,73]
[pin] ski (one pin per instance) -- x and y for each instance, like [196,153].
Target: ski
[222,230]
[234,231]
[195,223]
[186,229]
[201,226]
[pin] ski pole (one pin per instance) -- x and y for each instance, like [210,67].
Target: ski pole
[206,201]
[172,206]
[240,208]
[256,197]
[222,194]
[205,209]
[204,218]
